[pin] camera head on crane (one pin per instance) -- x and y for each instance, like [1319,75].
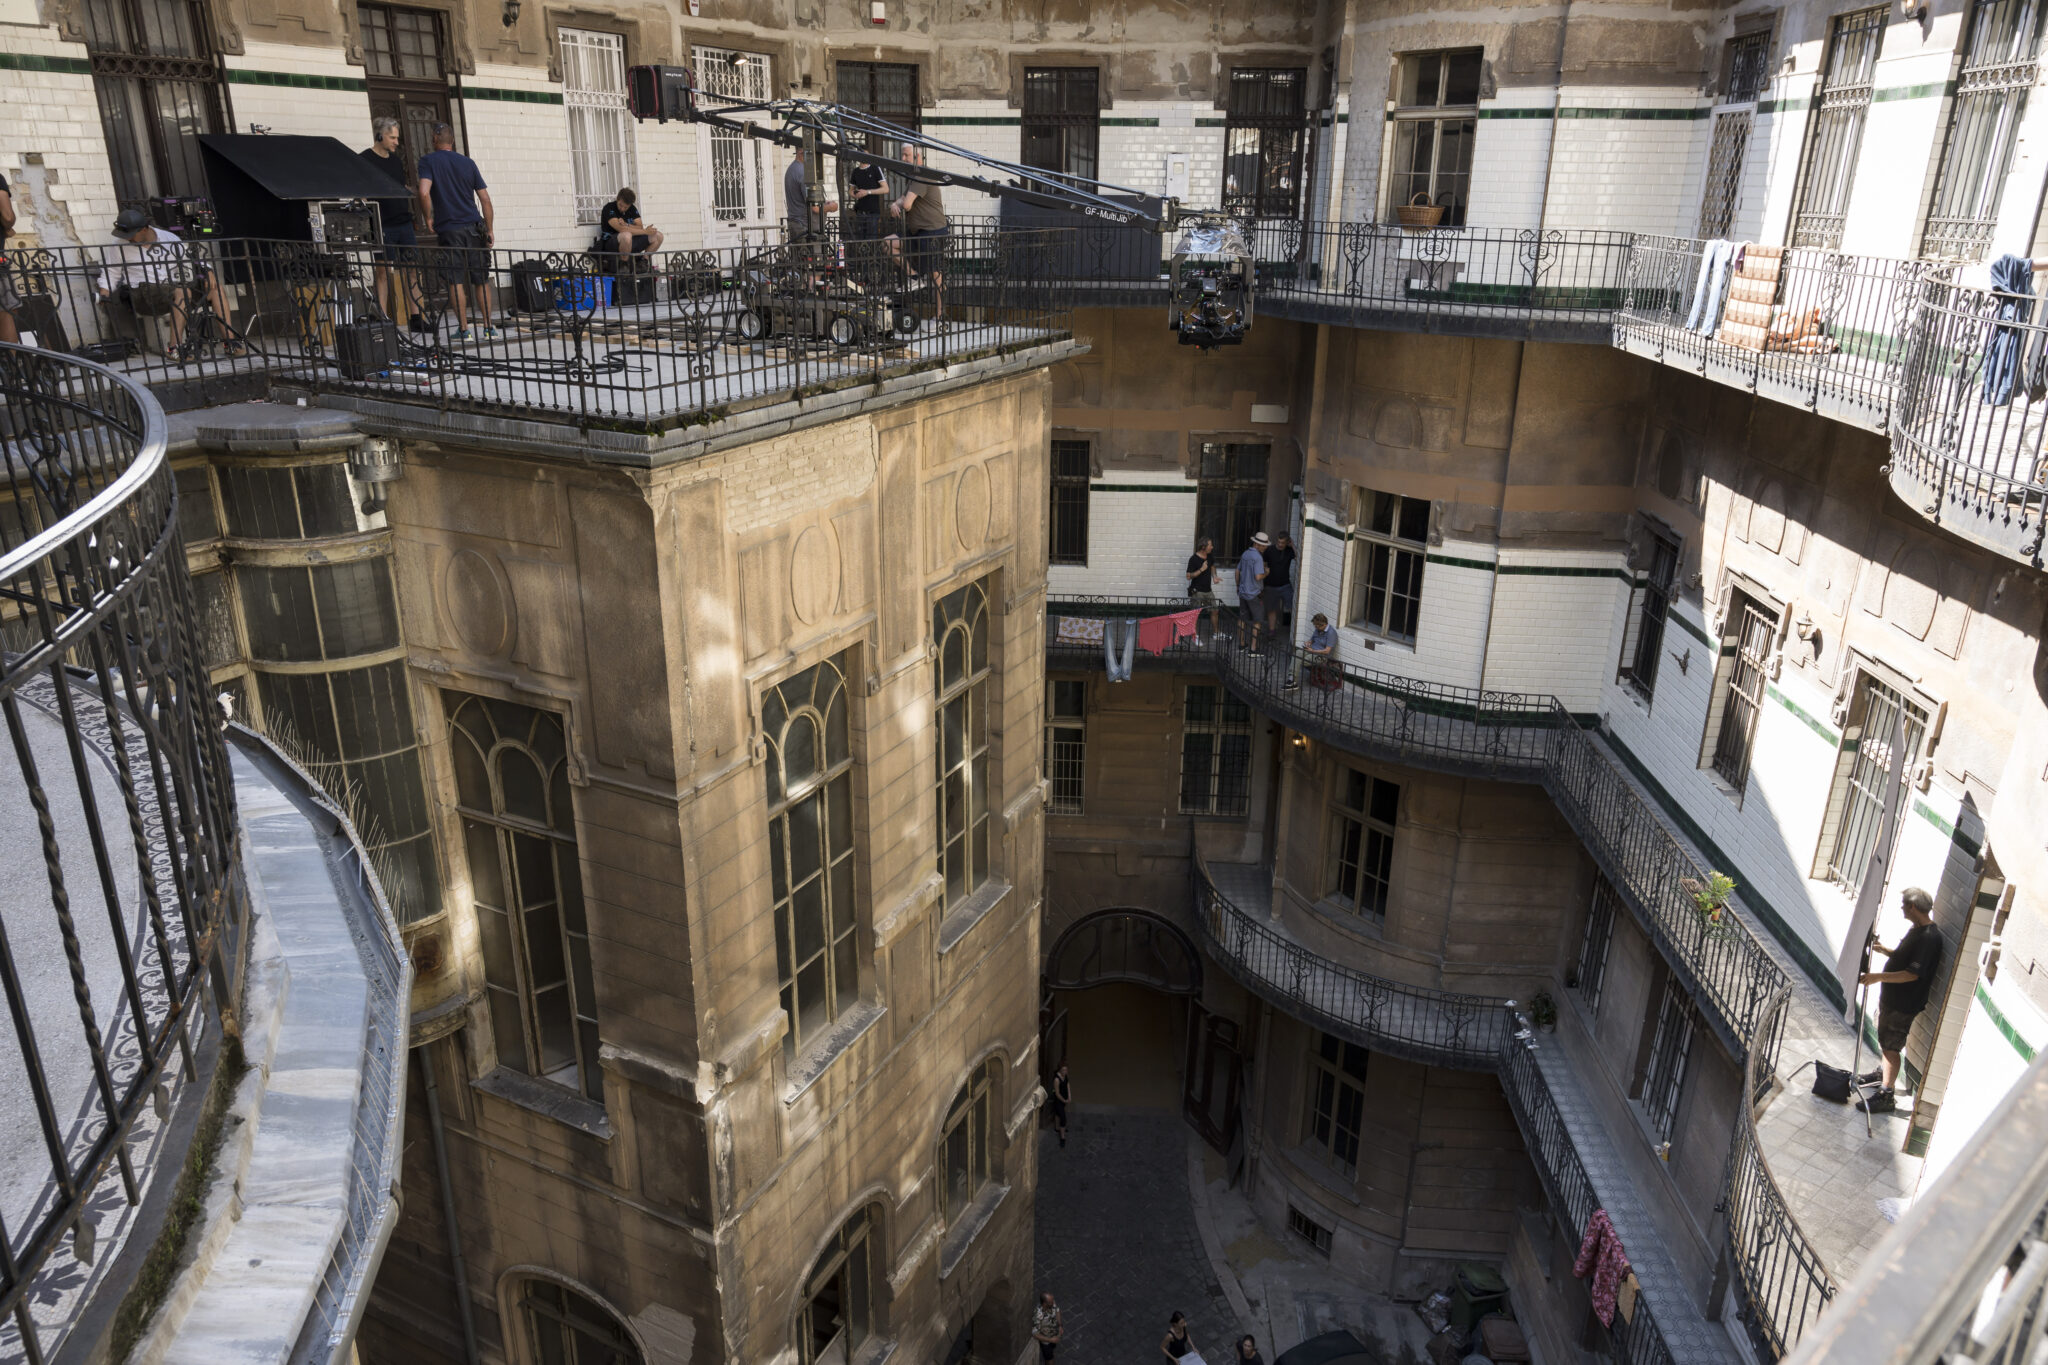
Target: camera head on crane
[1209,300]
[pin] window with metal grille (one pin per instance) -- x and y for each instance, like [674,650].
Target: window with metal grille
[735,166]
[1745,67]
[158,81]
[964,1143]
[1866,752]
[1722,194]
[1230,495]
[1072,463]
[1336,1101]
[601,158]
[1215,752]
[1642,643]
[1598,937]
[839,1314]
[1747,668]
[960,631]
[1361,862]
[1265,128]
[810,848]
[1308,1229]
[1834,131]
[1663,1069]
[1434,124]
[2000,65]
[1066,744]
[519,831]
[885,89]
[565,1327]
[1389,541]
[1062,119]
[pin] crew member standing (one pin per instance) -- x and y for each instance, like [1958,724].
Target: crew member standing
[1905,982]
[451,191]
[394,217]
[794,187]
[926,229]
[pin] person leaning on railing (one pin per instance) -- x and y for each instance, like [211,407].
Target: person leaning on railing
[156,278]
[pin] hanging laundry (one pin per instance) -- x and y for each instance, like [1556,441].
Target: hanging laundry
[1157,634]
[1711,287]
[2012,283]
[1600,1254]
[1080,630]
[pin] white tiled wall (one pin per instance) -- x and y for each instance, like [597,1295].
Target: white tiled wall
[51,148]
[1551,631]
[343,114]
[1138,542]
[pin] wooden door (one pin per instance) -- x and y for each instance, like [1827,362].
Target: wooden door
[1214,1072]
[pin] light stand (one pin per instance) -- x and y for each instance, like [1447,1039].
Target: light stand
[1856,1062]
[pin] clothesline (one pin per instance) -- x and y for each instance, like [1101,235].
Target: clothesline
[1155,634]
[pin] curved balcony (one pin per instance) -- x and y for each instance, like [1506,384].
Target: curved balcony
[152,952]
[1506,736]
[1419,1023]
[1970,451]
[118,944]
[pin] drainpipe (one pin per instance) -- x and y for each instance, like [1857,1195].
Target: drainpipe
[469,1352]
[1564,29]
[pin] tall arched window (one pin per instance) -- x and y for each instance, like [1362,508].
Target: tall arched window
[964,1144]
[838,1313]
[565,1328]
[512,786]
[960,629]
[810,848]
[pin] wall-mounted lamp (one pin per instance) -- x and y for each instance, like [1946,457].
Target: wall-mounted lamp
[511,13]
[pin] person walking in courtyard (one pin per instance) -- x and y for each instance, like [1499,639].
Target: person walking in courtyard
[1176,1343]
[1046,1326]
[1251,582]
[1201,576]
[1904,984]
[451,188]
[1062,1096]
[1248,1351]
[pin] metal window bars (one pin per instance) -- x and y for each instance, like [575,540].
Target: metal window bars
[113,763]
[1834,137]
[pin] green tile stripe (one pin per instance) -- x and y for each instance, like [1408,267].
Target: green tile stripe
[972,121]
[1960,838]
[1591,111]
[1697,632]
[1128,122]
[484,92]
[1331,531]
[56,66]
[1210,122]
[1822,974]
[1812,722]
[1142,488]
[1913,92]
[294,80]
[2003,1024]
[1514,111]
[1484,566]
[1566,571]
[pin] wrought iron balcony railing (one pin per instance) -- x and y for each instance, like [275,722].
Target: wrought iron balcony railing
[1512,736]
[1970,450]
[116,805]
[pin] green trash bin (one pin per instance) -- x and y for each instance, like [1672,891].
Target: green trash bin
[1480,1291]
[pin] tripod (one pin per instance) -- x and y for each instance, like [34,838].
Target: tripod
[1862,999]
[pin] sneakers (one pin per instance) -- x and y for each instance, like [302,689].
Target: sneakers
[1883,1102]
[490,333]
[1291,686]
[463,335]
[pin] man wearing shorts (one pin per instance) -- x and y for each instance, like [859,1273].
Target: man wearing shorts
[1904,985]
[1251,579]
[394,218]
[927,228]
[151,277]
[623,233]
[451,190]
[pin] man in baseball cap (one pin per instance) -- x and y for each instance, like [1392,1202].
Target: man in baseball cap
[152,277]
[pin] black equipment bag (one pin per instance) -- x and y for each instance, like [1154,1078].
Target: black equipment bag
[632,289]
[531,291]
[1833,1083]
[366,347]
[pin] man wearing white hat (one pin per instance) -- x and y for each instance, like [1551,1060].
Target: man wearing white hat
[1251,578]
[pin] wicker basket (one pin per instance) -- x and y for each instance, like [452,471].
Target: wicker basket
[1419,212]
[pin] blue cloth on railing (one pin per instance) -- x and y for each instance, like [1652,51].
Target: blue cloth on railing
[2012,280]
[1124,633]
[1710,290]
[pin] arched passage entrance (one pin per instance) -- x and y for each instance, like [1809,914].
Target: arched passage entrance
[1121,1006]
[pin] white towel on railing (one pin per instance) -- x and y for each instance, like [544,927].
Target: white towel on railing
[1710,290]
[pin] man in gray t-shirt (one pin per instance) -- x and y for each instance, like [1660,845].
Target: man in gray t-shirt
[799,212]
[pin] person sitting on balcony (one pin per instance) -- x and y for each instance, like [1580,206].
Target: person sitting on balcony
[1321,652]
[155,279]
[624,235]
[1905,983]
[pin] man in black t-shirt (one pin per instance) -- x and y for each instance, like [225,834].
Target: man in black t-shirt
[394,219]
[1279,586]
[1201,576]
[869,188]
[1905,982]
[623,234]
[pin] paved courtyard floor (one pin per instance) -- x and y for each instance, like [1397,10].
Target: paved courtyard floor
[1136,1219]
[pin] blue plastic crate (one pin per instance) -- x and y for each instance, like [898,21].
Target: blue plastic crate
[579,293]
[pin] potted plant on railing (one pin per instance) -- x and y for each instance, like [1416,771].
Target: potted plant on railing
[1543,1011]
[1710,900]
